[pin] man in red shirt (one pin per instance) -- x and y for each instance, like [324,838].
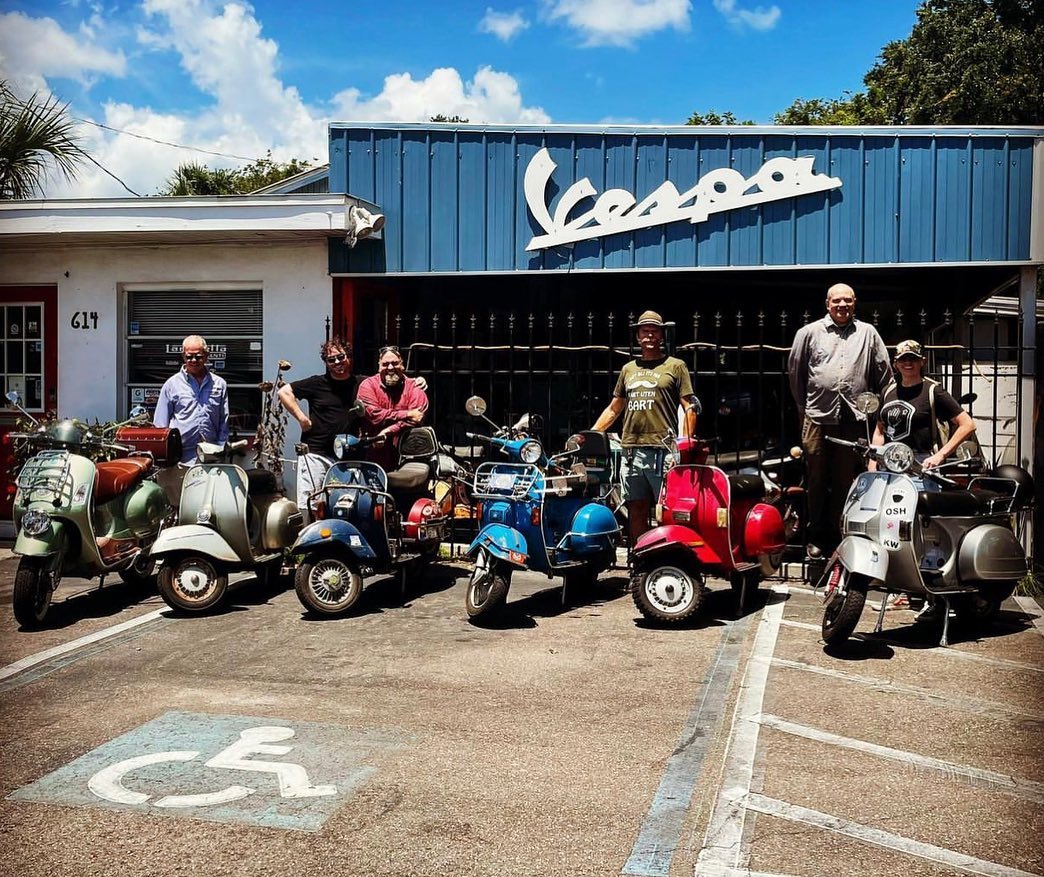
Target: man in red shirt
[393,403]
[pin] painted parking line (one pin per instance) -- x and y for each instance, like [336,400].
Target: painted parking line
[661,831]
[244,769]
[1015,786]
[877,837]
[66,653]
[1033,610]
[948,651]
[946,701]
[723,841]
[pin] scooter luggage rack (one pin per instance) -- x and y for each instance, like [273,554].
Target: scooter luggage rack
[47,472]
[500,480]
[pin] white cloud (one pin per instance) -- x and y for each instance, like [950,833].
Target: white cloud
[618,22]
[503,25]
[490,97]
[757,18]
[32,49]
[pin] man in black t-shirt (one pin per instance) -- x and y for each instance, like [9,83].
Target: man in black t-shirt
[330,397]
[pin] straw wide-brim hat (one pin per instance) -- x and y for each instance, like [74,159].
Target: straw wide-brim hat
[650,318]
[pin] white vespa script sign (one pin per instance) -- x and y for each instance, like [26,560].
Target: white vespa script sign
[617,210]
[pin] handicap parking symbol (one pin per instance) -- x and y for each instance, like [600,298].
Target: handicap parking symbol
[223,769]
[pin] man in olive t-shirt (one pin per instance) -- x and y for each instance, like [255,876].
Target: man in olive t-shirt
[648,393]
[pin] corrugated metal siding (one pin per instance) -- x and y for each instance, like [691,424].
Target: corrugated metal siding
[453,199]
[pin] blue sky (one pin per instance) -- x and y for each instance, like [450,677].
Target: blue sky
[241,79]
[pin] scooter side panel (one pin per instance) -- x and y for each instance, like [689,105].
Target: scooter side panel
[332,532]
[195,538]
[501,541]
[991,552]
[221,489]
[863,557]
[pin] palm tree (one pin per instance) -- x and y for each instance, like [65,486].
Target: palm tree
[35,135]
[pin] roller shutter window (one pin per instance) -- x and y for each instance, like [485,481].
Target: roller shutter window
[230,320]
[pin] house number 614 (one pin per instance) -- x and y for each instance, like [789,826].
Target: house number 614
[84,320]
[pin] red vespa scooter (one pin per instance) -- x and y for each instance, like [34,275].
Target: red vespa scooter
[712,523]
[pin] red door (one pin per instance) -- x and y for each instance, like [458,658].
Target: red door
[29,358]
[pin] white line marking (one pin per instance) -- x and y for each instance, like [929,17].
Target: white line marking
[1032,608]
[107,783]
[1021,788]
[722,846]
[944,700]
[948,651]
[885,839]
[65,648]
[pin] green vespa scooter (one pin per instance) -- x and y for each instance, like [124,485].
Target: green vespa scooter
[78,513]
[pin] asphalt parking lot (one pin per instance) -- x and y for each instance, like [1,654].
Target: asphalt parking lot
[571,739]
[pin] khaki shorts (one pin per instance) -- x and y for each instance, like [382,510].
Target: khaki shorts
[641,473]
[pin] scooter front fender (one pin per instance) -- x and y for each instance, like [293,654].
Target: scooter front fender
[863,557]
[197,539]
[50,543]
[672,537]
[333,532]
[503,542]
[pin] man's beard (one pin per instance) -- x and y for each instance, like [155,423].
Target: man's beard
[393,382]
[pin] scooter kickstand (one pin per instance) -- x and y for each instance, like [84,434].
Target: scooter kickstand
[880,614]
[944,641]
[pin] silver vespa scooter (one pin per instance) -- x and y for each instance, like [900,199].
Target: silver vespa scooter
[913,531]
[229,519]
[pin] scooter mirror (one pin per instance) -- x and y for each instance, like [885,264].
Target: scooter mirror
[866,403]
[13,397]
[475,406]
[138,411]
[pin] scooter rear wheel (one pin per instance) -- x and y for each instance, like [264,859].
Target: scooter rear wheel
[191,583]
[327,585]
[668,593]
[31,599]
[841,613]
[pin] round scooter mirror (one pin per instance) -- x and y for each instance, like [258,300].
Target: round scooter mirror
[475,406]
[866,403]
[138,411]
[13,397]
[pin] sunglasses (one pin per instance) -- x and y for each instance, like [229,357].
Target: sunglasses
[337,357]
[391,348]
[193,357]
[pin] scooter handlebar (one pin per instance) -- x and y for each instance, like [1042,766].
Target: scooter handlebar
[474,436]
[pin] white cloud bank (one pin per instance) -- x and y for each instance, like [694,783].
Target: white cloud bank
[250,110]
[618,22]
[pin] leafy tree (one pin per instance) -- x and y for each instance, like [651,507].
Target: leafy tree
[452,120]
[965,62]
[854,109]
[192,178]
[714,118]
[36,135]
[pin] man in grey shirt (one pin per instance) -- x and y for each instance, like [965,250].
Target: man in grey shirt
[833,360]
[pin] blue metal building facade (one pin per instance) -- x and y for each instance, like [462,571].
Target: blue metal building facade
[454,202]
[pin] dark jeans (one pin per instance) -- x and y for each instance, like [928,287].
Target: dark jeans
[831,470]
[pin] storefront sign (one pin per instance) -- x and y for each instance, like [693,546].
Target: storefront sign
[617,210]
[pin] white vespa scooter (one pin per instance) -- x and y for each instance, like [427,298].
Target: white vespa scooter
[914,531]
[229,519]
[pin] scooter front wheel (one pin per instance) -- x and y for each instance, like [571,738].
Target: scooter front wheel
[327,585]
[488,587]
[33,588]
[192,583]
[842,610]
[668,593]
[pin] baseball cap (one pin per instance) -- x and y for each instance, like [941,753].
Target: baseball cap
[908,348]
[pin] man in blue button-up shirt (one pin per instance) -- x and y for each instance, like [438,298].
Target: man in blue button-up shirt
[194,401]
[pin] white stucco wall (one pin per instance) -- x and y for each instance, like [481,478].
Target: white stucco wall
[293,278]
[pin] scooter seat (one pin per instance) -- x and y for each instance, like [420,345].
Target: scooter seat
[409,478]
[746,487]
[958,503]
[116,476]
[261,481]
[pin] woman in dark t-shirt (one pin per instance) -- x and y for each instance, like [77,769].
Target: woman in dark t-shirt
[906,415]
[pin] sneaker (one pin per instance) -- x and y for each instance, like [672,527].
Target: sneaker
[813,551]
[900,601]
[931,612]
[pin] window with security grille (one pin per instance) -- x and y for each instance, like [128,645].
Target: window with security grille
[231,321]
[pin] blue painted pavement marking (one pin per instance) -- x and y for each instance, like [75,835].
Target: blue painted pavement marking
[661,831]
[259,771]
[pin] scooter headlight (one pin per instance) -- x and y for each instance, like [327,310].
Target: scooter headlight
[35,522]
[897,457]
[531,452]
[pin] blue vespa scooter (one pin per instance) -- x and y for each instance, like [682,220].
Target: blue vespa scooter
[538,514]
